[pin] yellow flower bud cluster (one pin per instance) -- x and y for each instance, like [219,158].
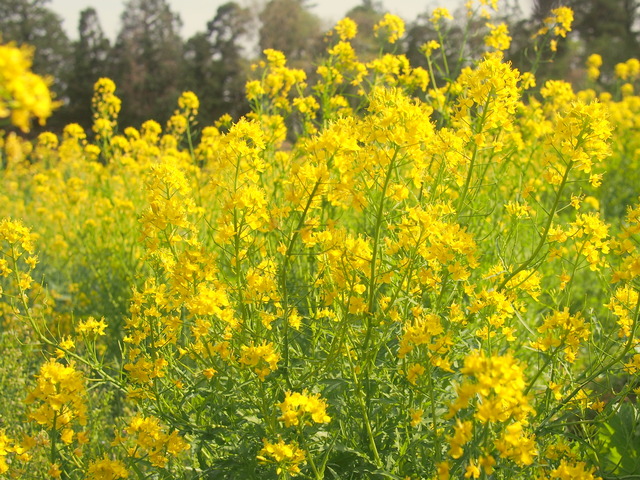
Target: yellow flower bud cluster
[391,28]
[59,398]
[152,442]
[107,469]
[494,392]
[298,407]
[17,257]
[106,107]
[23,94]
[263,358]
[288,456]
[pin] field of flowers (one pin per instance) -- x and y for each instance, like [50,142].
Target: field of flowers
[371,276]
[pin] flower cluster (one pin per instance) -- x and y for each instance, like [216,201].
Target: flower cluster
[23,94]
[59,398]
[296,406]
[287,456]
[151,442]
[309,289]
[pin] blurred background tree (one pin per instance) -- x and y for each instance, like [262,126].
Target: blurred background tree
[89,62]
[366,15]
[152,64]
[216,67]
[289,26]
[147,61]
[607,27]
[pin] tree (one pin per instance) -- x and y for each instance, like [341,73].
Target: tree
[90,62]
[366,15]
[607,28]
[600,26]
[148,60]
[227,32]
[289,26]
[32,23]
[215,65]
[419,32]
[542,9]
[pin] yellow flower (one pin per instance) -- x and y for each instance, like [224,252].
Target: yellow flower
[438,13]
[516,445]
[413,372]
[105,104]
[297,405]
[209,373]
[472,470]
[498,384]
[416,416]
[463,431]
[443,469]
[92,326]
[561,19]
[346,29]
[151,439]
[59,395]
[573,470]
[263,358]
[189,104]
[287,456]
[23,94]
[5,448]
[391,27]
[429,47]
[498,37]
[54,471]
[593,63]
[106,469]
[67,436]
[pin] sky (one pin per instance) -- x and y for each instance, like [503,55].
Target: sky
[196,13]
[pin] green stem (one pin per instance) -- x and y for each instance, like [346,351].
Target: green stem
[283,282]
[467,183]
[543,238]
[434,421]
[627,347]
[312,464]
[52,438]
[365,414]
[43,338]
[543,368]
[376,248]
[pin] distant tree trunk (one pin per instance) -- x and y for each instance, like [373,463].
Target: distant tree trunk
[288,26]
[148,61]
[91,53]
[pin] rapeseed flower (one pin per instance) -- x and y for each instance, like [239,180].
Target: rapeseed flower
[391,28]
[23,94]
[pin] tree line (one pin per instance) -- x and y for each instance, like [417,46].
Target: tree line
[152,64]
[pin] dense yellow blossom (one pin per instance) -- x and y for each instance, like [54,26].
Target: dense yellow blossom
[374,245]
[59,397]
[23,94]
[263,358]
[106,469]
[498,382]
[391,28]
[6,447]
[297,405]
[151,441]
[288,457]
[346,29]
[498,37]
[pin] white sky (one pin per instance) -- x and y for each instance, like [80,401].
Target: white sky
[196,13]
